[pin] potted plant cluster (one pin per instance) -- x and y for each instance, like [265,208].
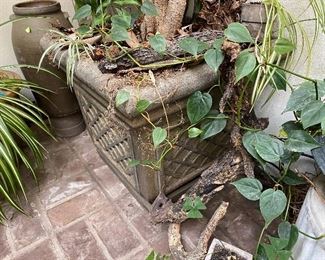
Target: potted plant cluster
[157,101]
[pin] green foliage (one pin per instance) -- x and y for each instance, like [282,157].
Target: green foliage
[194,132]
[237,32]
[148,8]
[272,204]
[245,64]
[159,135]
[82,13]
[283,46]
[300,141]
[193,206]
[214,58]
[16,113]
[158,43]
[156,256]
[250,188]
[192,46]
[122,96]
[142,105]
[213,126]
[198,106]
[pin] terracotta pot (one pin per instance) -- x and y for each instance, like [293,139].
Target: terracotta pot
[60,103]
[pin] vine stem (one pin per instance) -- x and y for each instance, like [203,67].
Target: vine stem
[260,238]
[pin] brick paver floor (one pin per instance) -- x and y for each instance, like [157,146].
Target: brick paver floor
[82,211]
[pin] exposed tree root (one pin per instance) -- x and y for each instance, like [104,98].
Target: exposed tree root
[174,237]
[212,180]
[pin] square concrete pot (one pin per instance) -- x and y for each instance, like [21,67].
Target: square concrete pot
[121,133]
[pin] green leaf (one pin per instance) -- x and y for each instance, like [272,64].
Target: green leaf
[237,32]
[148,8]
[313,113]
[300,141]
[214,59]
[278,243]
[122,96]
[291,125]
[272,204]
[250,188]
[194,132]
[245,64]
[289,232]
[212,127]
[152,256]
[250,139]
[194,214]
[158,136]
[158,43]
[279,80]
[270,251]
[83,12]
[188,204]
[192,45]
[83,30]
[121,19]
[218,43]
[293,179]
[133,163]
[198,105]
[142,105]
[198,204]
[283,46]
[119,33]
[270,149]
[301,97]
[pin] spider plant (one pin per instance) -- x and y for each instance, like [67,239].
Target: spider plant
[16,114]
[75,45]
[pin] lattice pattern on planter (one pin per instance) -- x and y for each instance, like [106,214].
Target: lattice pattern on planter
[110,136]
[190,155]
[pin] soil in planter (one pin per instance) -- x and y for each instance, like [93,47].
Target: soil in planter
[221,253]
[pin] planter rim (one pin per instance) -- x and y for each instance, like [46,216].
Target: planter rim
[174,87]
[36,7]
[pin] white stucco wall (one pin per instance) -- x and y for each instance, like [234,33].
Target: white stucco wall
[274,108]
[6,51]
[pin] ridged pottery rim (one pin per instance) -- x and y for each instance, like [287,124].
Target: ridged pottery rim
[36,7]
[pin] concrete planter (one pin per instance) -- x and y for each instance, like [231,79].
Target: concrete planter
[216,243]
[121,134]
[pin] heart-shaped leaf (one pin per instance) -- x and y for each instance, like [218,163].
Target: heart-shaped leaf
[194,132]
[192,45]
[272,204]
[158,43]
[158,136]
[198,105]
[214,59]
[245,64]
[300,141]
[83,12]
[122,96]
[237,32]
[283,46]
[313,113]
[121,19]
[148,8]
[250,188]
[212,127]
[270,149]
[142,105]
[119,33]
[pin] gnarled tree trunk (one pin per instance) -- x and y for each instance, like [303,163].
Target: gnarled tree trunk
[168,21]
